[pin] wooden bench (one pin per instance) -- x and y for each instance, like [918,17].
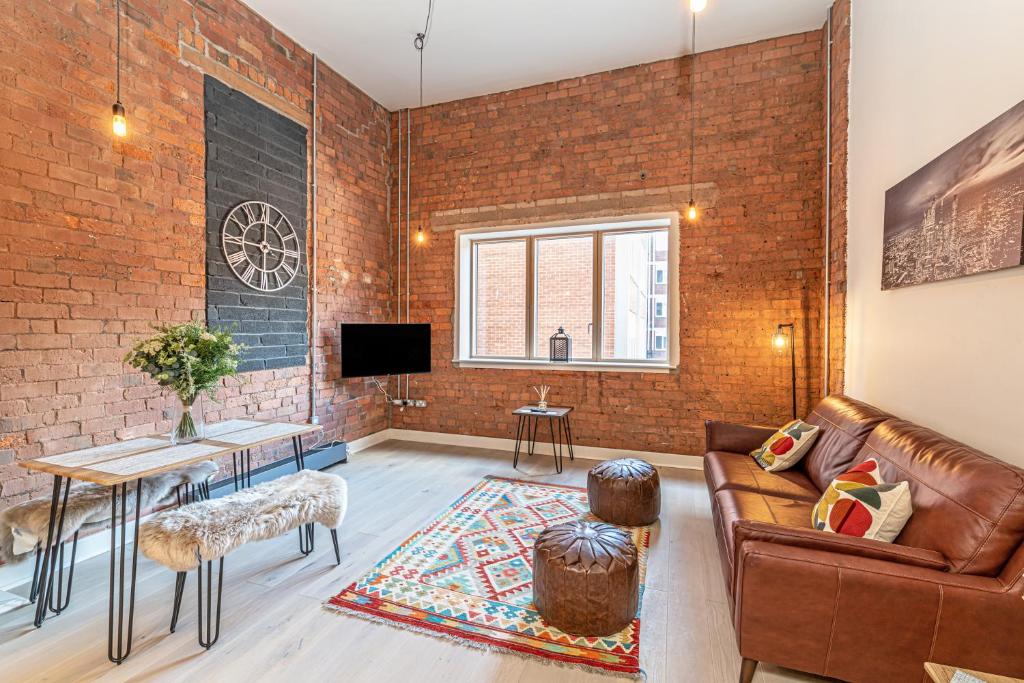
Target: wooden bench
[203,532]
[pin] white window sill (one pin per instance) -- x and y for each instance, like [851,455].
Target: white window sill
[574,366]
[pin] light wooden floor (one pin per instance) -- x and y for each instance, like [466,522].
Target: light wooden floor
[274,628]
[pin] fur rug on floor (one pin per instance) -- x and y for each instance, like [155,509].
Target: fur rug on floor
[89,507]
[181,538]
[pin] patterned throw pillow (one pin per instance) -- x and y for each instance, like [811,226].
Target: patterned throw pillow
[785,447]
[859,476]
[858,503]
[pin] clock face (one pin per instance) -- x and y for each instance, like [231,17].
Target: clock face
[261,246]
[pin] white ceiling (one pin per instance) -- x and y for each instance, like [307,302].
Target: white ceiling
[476,47]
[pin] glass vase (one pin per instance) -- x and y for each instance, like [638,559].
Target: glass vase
[187,423]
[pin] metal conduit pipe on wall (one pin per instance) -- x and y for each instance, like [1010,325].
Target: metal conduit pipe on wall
[399,238]
[408,225]
[313,328]
[828,204]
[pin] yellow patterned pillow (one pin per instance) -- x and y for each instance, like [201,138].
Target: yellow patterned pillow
[785,447]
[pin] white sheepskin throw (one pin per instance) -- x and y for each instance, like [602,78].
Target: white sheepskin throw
[89,507]
[209,529]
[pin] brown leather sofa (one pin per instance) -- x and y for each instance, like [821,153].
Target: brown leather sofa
[948,590]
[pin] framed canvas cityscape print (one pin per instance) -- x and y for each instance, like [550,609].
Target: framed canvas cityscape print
[962,213]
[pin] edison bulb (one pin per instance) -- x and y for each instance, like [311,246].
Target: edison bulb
[698,5]
[691,212]
[779,340]
[421,236]
[120,121]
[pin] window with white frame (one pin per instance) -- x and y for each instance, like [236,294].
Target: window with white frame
[604,283]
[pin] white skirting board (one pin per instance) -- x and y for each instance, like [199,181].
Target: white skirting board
[9,601]
[687,462]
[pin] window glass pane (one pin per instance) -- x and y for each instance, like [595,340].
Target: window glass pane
[564,287]
[632,328]
[499,297]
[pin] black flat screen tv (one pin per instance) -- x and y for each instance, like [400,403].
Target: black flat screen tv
[369,349]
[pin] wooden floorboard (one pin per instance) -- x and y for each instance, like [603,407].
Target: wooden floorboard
[275,629]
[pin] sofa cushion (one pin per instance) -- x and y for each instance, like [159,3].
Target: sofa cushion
[967,505]
[731,505]
[845,425]
[725,470]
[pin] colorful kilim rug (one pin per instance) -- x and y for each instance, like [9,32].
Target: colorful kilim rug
[468,576]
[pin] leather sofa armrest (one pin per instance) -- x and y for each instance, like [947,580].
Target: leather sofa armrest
[735,438]
[749,530]
[833,607]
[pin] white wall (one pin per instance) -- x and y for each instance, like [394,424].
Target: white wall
[924,74]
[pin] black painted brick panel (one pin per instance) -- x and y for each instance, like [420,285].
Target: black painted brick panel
[254,153]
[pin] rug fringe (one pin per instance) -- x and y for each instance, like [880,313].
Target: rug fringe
[339,609]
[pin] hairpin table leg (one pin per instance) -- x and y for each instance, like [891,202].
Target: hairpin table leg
[306,538]
[179,591]
[248,467]
[568,435]
[334,539]
[117,572]
[208,637]
[63,593]
[556,451]
[34,591]
[519,442]
[54,529]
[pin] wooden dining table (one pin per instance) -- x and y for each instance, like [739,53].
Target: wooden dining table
[123,463]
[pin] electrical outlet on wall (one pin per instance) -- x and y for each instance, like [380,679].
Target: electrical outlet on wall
[409,402]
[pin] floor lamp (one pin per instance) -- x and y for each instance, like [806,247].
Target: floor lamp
[785,335]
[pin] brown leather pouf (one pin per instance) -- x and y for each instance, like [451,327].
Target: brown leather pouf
[625,492]
[586,580]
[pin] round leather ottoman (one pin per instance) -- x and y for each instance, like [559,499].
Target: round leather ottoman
[586,579]
[625,492]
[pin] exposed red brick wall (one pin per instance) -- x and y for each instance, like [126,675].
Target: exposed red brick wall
[618,142]
[100,238]
[840,91]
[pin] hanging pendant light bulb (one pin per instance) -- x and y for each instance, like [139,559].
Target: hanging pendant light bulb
[119,123]
[695,5]
[420,42]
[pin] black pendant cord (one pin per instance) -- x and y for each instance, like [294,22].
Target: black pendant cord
[118,88]
[420,42]
[693,89]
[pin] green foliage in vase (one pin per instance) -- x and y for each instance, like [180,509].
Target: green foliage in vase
[188,358]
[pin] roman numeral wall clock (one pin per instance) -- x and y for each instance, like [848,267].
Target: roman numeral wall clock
[261,246]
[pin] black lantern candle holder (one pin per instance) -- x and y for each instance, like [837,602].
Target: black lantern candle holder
[561,346]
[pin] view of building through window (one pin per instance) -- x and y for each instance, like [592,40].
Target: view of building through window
[630,291]
[499,317]
[630,317]
[564,277]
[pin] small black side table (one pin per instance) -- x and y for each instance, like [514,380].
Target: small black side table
[529,418]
